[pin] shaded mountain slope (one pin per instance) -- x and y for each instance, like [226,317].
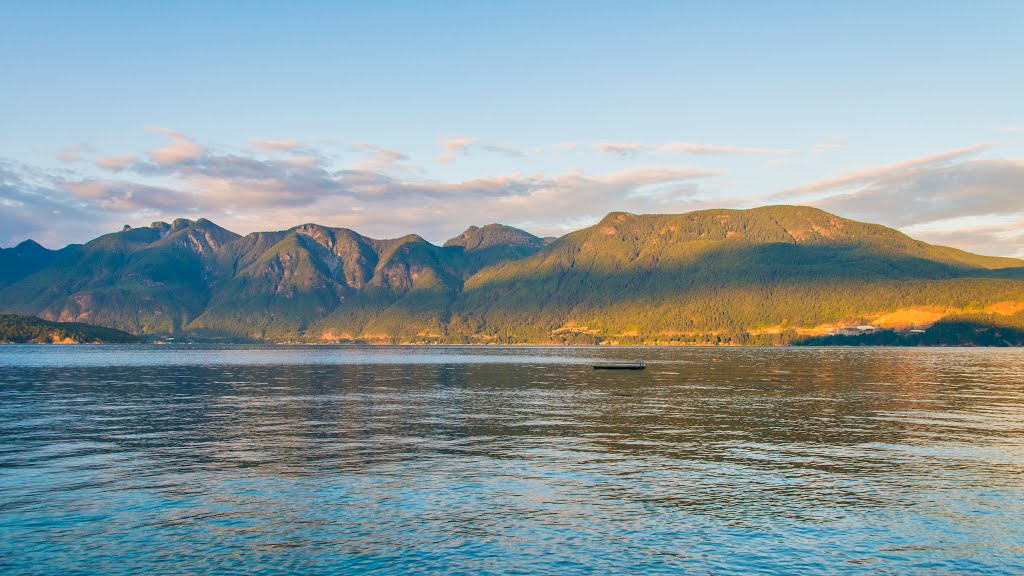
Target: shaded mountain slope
[28,258]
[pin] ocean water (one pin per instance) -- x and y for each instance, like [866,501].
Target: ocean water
[395,460]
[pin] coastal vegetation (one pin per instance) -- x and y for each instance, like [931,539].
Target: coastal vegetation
[19,329]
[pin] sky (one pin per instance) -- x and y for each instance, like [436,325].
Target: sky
[427,117]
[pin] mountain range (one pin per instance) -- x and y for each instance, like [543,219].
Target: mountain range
[768,275]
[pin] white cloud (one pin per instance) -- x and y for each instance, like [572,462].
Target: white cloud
[180,149]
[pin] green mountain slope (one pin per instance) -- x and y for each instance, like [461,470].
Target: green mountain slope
[695,277]
[333,282]
[15,328]
[775,274]
[138,280]
[276,288]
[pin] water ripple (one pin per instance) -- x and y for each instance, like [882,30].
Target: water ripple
[269,460]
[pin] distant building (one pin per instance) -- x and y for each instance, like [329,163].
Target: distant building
[855,330]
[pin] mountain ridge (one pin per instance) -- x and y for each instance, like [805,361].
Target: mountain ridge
[761,275]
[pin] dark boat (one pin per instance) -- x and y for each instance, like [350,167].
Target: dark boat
[638,365]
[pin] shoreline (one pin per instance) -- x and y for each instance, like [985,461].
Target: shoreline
[518,345]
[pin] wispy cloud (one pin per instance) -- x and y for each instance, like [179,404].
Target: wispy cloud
[505,150]
[125,196]
[928,194]
[830,145]
[623,149]
[628,149]
[461,145]
[381,159]
[453,146]
[70,154]
[116,163]
[869,176]
[271,145]
[987,238]
[179,149]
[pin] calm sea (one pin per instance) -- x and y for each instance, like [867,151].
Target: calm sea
[172,460]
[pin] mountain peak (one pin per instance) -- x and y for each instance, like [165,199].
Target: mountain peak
[490,235]
[180,223]
[29,244]
[618,217]
[24,259]
[162,227]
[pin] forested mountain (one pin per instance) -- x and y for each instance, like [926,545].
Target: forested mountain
[27,258]
[776,274]
[139,280]
[495,243]
[720,275]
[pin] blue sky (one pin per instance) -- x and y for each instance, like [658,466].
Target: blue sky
[396,117]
